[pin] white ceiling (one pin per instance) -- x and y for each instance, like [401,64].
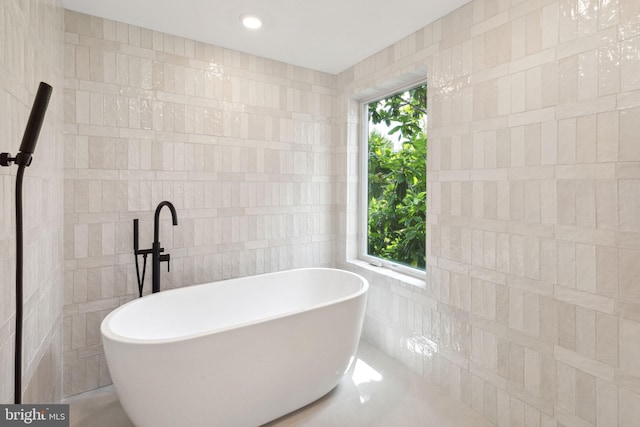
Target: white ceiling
[325,35]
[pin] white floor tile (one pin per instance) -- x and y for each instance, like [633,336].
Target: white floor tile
[377,391]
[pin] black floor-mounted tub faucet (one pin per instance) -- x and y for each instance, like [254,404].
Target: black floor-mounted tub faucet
[156,251]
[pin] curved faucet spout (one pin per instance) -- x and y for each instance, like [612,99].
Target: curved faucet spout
[156,250]
[156,221]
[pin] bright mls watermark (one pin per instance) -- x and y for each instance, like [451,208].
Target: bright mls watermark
[34,415]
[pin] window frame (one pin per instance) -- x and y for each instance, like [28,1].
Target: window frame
[363,215]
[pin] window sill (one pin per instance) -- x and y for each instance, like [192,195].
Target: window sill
[419,282]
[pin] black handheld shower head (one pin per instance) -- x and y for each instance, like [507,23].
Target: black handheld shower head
[32,131]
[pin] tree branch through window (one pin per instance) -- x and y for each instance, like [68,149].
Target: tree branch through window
[397,190]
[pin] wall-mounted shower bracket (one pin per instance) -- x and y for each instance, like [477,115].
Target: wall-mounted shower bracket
[21,159]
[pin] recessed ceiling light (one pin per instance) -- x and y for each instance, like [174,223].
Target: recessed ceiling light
[251,22]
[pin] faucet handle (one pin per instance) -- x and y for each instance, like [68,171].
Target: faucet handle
[167,258]
[135,236]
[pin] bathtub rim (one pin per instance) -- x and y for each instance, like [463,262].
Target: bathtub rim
[107,332]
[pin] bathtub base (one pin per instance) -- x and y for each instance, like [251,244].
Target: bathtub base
[257,382]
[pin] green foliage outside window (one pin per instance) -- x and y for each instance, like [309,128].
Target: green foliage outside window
[397,180]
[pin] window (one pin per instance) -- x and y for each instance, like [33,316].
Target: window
[394,195]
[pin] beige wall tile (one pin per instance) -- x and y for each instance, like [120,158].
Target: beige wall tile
[606,404]
[629,64]
[607,271]
[606,204]
[566,325]
[586,268]
[586,332]
[566,264]
[629,408]
[566,387]
[629,346]
[629,204]
[586,397]
[629,269]
[607,339]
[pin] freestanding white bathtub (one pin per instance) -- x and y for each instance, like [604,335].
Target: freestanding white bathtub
[238,352]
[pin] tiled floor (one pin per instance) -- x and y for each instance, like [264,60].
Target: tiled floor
[377,391]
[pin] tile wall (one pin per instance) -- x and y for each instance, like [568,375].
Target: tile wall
[530,312]
[241,145]
[31,50]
